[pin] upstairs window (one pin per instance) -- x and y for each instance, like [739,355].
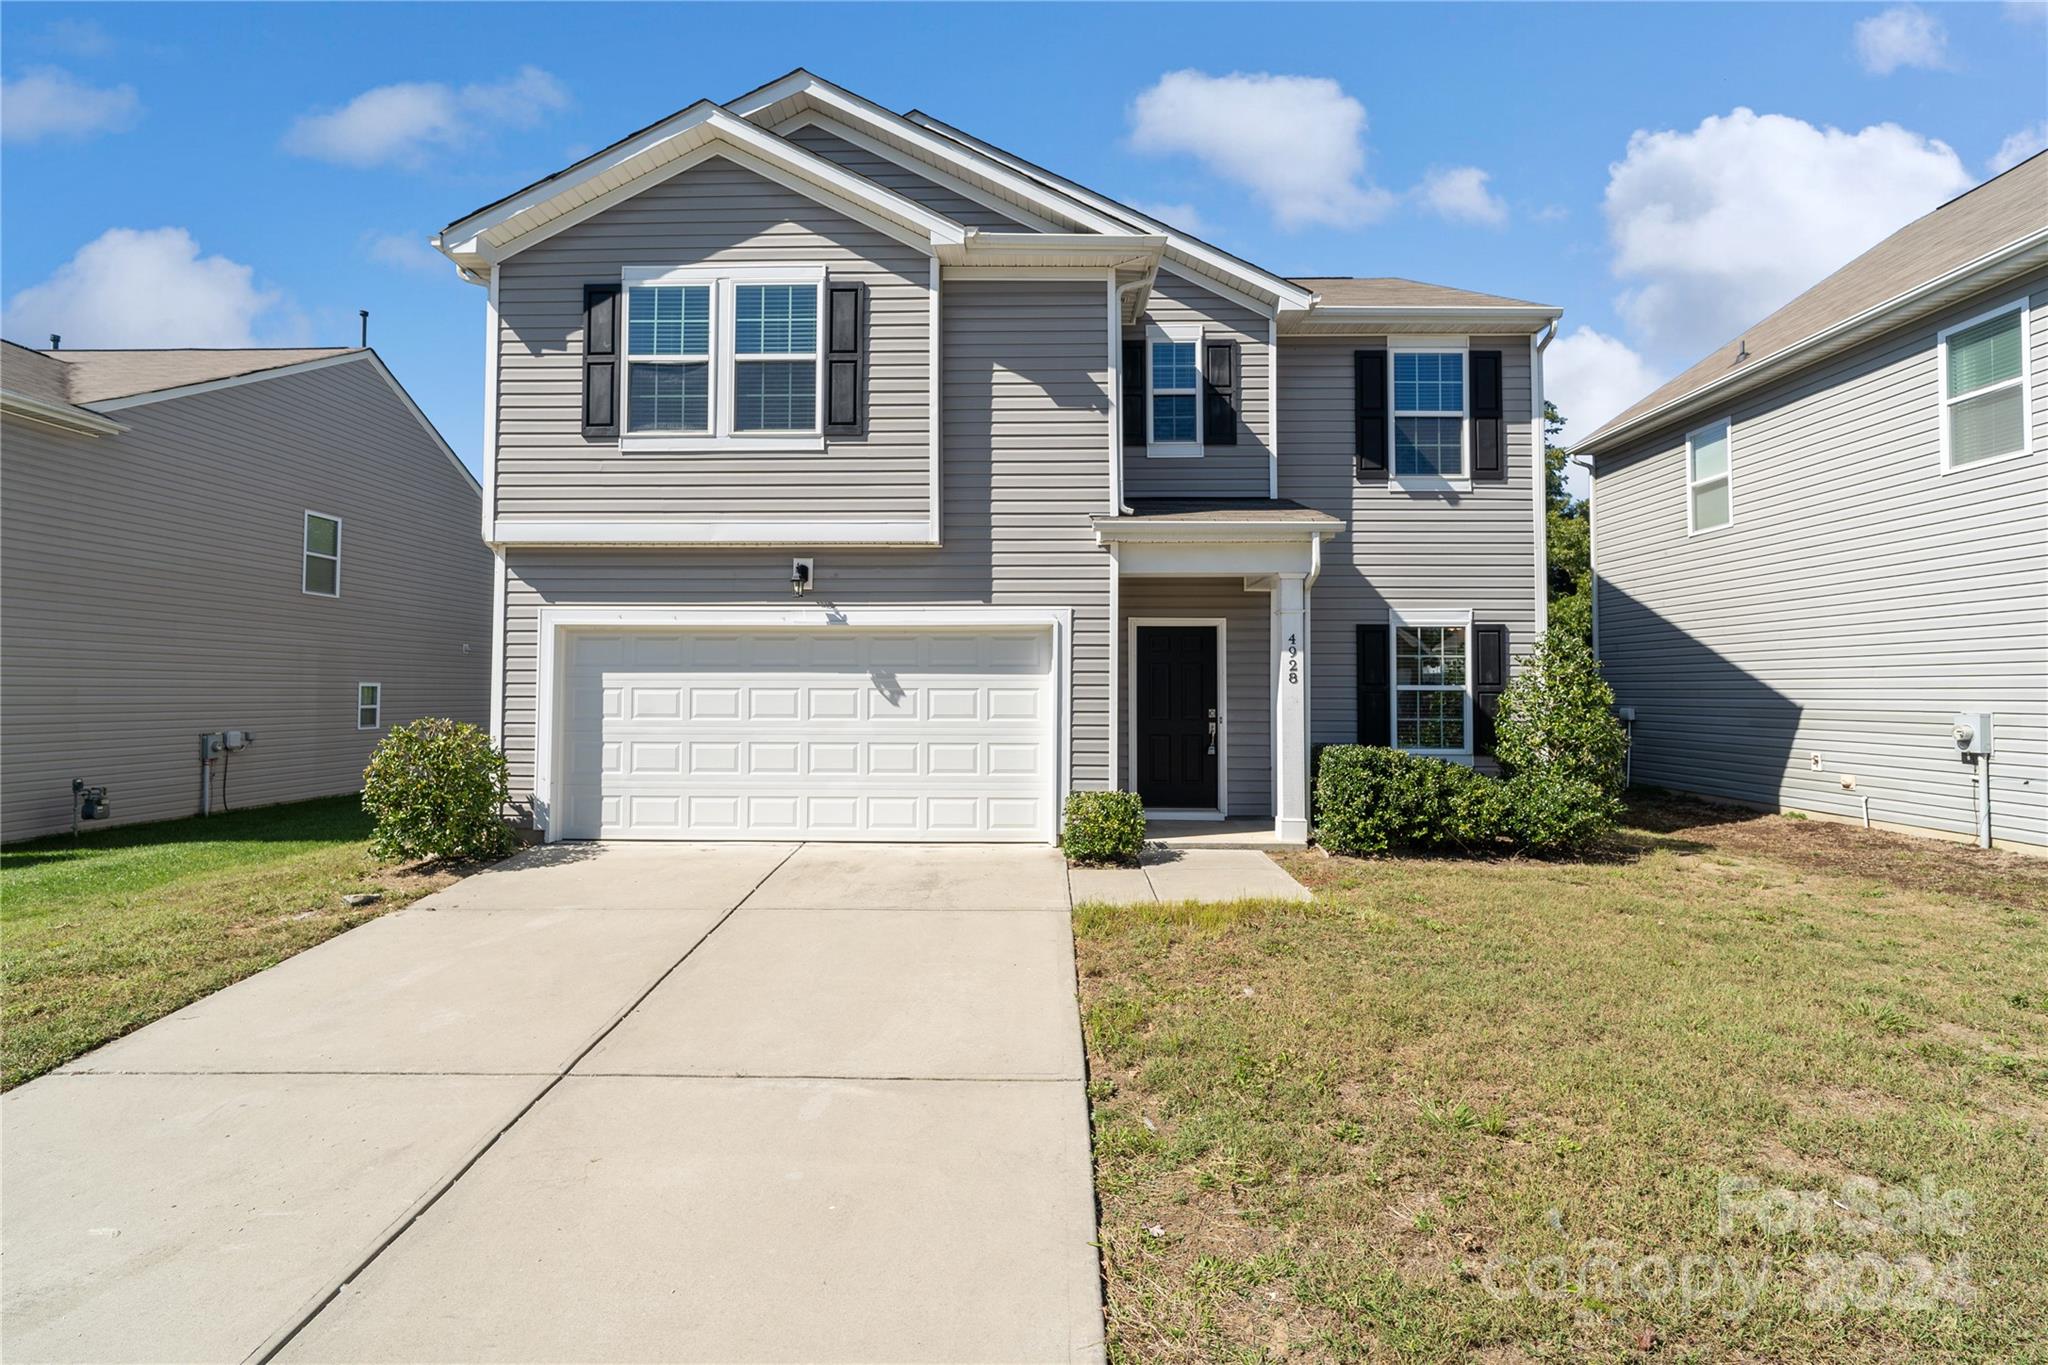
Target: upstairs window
[1176,394]
[723,355]
[320,569]
[1708,506]
[668,358]
[1984,389]
[1429,415]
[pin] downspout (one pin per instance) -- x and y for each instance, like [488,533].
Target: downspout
[1537,345]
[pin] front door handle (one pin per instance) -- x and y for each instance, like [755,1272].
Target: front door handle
[1212,733]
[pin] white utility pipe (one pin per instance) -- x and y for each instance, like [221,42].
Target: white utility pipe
[1983,789]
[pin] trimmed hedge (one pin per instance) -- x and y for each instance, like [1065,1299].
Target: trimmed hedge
[1104,827]
[1371,801]
[437,789]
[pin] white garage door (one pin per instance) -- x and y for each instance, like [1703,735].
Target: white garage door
[807,733]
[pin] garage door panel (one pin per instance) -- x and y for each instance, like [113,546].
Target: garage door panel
[820,734]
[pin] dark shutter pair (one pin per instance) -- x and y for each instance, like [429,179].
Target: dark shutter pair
[1376,683]
[1222,379]
[845,359]
[1372,412]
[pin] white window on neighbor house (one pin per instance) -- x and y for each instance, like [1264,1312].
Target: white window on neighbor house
[1430,407]
[1176,386]
[1984,388]
[1432,683]
[723,355]
[369,705]
[1709,503]
[320,570]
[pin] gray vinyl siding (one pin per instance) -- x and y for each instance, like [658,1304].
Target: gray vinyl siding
[1475,551]
[153,592]
[1860,598]
[904,181]
[1248,671]
[1240,471]
[1025,443]
[713,213]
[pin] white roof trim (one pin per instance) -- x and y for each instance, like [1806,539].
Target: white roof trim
[63,416]
[137,400]
[1199,254]
[1123,251]
[1850,331]
[1470,319]
[489,236]
[1110,530]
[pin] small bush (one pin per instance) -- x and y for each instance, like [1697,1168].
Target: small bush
[437,789]
[1550,811]
[1104,827]
[1371,801]
[1557,714]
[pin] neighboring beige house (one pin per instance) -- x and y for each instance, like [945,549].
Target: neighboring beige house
[852,478]
[275,542]
[1824,543]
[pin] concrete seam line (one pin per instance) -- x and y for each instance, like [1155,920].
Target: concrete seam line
[282,1338]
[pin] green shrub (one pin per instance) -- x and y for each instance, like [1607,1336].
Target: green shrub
[1558,715]
[1104,827]
[1371,801]
[437,789]
[1549,811]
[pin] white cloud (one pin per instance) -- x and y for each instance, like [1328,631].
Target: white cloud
[1459,193]
[1904,35]
[1296,142]
[1186,217]
[406,123]
[2017,147]
[77,38]
[47,101]
[1591,376]
[1718,227]
[404,252]
[144,287]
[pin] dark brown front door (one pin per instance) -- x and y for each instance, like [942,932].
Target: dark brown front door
[1177,721]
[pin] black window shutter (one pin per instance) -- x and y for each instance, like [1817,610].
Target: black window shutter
[601,360]
[1375,684]
[1219,393]
[846,336]
[1133,398]
[1489,431]
[1489,677]
[1369,412]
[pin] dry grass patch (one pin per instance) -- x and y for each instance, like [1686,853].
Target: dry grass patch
[1323,1131]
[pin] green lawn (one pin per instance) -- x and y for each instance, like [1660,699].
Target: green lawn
[1482,1109]
[100,935]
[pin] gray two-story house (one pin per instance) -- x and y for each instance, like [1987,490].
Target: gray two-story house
[1821,553]
[224,575]
[851,478]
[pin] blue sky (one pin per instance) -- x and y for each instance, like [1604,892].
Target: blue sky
[248,174]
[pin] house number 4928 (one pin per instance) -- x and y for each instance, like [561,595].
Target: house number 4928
[1293,661]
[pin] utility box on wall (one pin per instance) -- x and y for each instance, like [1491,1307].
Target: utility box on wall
[1973,732]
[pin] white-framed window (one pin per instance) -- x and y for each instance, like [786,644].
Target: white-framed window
[320,565]
[1432,672]
[723,356]
[1984,402]
[1174,387]
[1431,404]
[1709,494]
[369,705]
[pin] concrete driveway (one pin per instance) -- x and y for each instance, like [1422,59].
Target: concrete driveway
[608,1102]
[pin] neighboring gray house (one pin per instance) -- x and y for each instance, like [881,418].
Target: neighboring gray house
[850,478]
[197,541]
[1819,545]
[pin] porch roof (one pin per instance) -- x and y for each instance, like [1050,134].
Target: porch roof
[1217,519]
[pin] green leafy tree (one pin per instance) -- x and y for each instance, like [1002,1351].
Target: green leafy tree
[1557,717]
[1568,527]
[437,789]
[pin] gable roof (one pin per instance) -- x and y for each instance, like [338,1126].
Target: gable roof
[35,387]
[1992,232]
[99,376]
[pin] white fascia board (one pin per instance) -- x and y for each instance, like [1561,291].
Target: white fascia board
[1026,249]
[1475,320]
[63,416]
[727,531]
[708,130]
[1288,294]
[1128,530]
[2016,257]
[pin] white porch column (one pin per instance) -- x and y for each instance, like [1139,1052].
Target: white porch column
[1290,707]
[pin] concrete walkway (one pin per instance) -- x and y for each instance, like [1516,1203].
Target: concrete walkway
[1187,874]
[610,1102]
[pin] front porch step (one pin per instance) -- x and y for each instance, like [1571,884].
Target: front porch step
[1253,834]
